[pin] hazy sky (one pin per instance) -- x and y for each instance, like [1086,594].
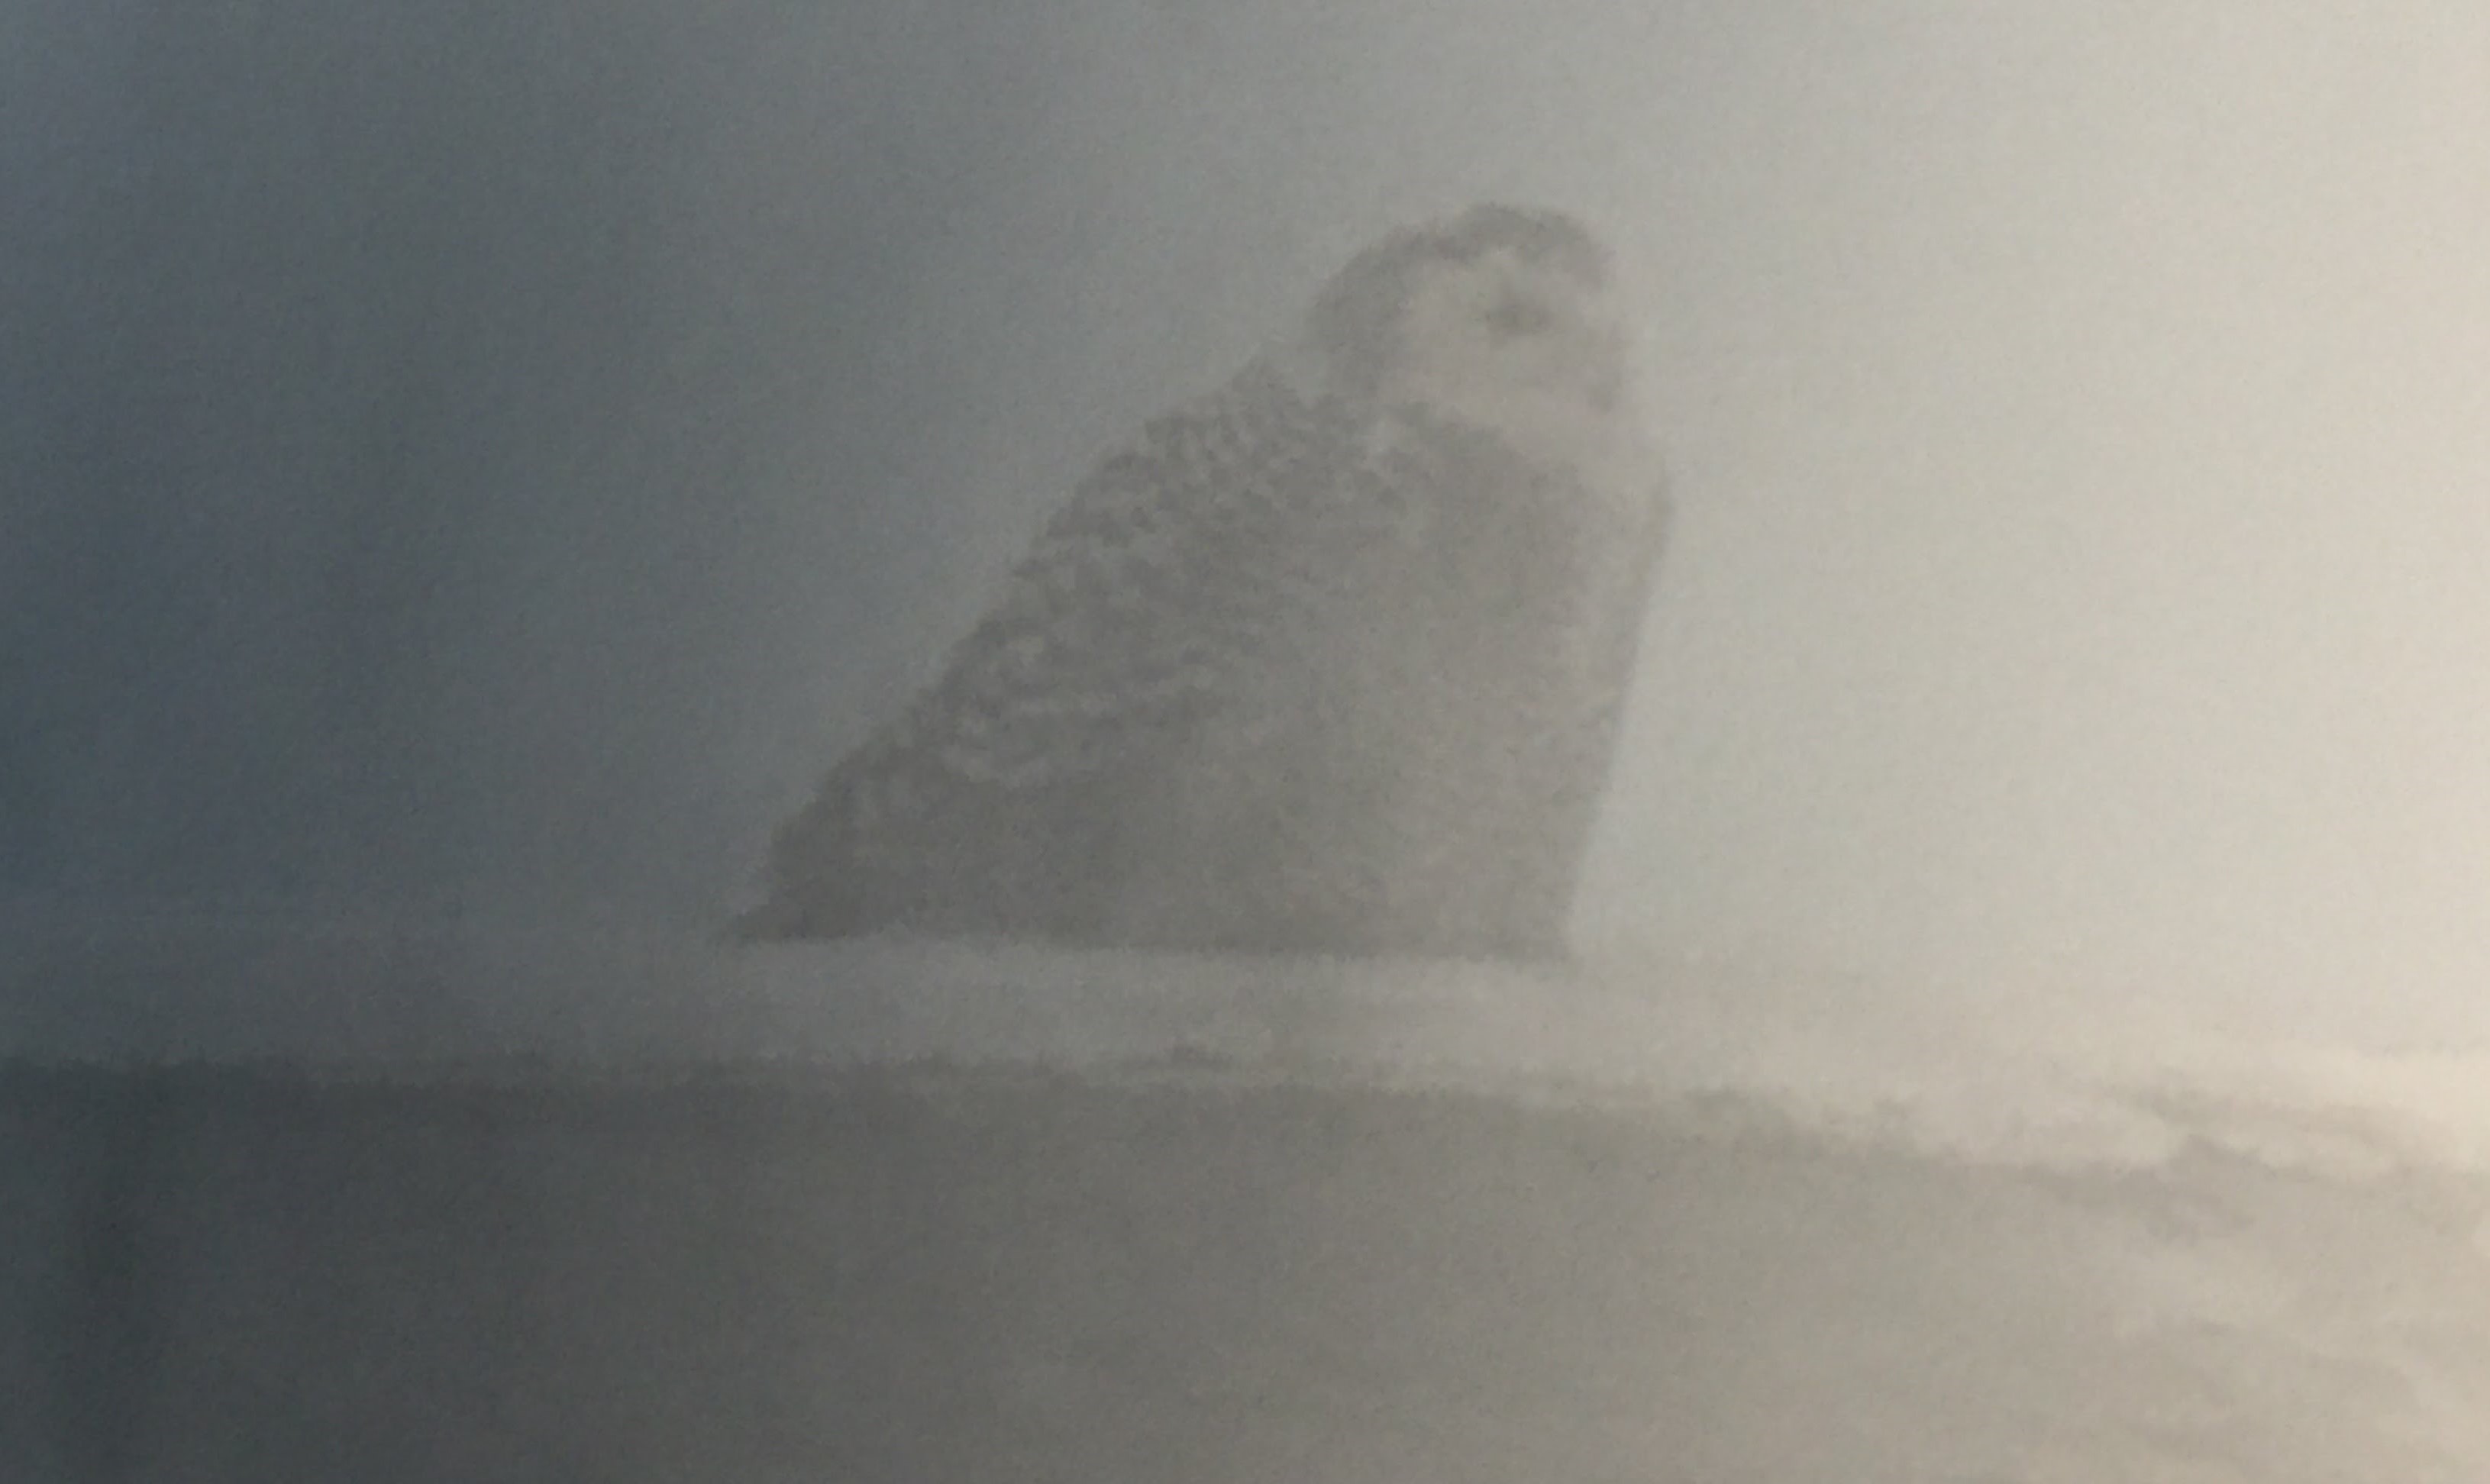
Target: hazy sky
[506,452]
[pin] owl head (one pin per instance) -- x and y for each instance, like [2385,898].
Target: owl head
[1500,318]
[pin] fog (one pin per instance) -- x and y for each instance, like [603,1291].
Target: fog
[483,458]
[466,470]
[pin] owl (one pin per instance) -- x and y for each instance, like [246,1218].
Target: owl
[1330,661]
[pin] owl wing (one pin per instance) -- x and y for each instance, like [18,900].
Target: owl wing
[1140,599]
[1129,624]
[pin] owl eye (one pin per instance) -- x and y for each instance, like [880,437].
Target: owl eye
[1513,315]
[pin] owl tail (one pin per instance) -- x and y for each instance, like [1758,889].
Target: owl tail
[805,910]
[775,921]
[812,890]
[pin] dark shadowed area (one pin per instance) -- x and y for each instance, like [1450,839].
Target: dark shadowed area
[924,1273]
[387,449]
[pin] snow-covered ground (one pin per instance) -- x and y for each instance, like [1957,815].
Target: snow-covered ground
[2048,1240]
[1988,1073]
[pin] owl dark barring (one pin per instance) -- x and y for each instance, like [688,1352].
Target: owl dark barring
[1331,661]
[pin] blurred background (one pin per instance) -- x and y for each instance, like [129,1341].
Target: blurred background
[477,465]
[491,459]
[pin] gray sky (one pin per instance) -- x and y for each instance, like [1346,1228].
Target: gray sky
[504,453]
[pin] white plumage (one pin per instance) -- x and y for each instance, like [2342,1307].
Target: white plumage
[1332,660]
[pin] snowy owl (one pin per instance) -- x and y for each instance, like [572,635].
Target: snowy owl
[1330,661]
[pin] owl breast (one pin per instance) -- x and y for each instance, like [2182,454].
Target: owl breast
[1422,772]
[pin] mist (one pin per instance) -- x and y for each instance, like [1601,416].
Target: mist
[495,460]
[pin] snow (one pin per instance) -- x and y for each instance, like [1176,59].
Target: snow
[1985,1075]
